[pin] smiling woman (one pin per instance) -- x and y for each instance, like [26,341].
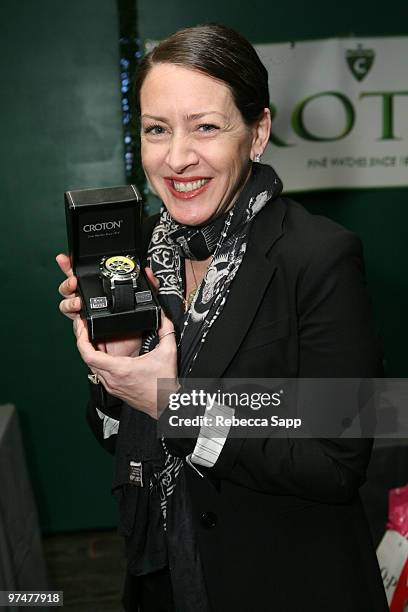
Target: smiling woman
[196,147]
[253,287]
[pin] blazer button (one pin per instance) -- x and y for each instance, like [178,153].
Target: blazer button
[208,520]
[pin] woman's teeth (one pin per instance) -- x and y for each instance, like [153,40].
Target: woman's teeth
[189,186]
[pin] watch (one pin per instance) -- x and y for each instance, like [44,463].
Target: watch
[119,276]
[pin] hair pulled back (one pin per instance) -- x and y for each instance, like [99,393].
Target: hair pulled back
[221,53]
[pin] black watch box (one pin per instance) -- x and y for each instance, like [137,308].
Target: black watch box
[100,223]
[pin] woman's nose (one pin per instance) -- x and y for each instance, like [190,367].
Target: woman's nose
[181,153]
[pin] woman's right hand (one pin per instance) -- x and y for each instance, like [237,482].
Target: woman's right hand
[71,305]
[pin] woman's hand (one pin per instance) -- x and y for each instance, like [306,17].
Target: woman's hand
[71,306]
[134,379]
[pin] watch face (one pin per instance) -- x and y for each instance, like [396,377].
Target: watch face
[119,267]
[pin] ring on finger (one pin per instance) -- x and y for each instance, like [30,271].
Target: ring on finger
[94,379]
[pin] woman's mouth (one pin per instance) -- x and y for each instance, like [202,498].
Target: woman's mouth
[187,188]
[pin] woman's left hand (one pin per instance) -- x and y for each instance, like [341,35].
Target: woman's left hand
[134,379]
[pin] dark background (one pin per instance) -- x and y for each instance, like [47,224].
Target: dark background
[61,129]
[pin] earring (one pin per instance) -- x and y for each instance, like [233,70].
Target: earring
[257,157]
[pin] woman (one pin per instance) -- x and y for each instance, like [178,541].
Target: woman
[253,286]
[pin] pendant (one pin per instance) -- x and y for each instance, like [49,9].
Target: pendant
[189,300]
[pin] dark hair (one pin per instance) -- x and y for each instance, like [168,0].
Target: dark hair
[221,53]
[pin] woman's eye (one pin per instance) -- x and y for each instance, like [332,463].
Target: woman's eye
[207,127]
[155,130]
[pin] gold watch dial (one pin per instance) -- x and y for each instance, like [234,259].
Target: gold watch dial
[120,264]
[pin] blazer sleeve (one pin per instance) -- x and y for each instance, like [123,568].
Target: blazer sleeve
[337,339]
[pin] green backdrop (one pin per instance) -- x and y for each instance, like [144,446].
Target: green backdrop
[61,129]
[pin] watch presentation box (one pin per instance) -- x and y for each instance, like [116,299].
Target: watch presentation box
[104,229]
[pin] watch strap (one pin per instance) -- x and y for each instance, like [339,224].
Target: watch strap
[123,297]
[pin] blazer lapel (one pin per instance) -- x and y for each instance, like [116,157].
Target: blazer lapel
[247,290]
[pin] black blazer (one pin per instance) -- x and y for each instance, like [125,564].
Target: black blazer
[280,523]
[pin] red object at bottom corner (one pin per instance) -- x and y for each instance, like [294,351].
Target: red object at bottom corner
[399,601]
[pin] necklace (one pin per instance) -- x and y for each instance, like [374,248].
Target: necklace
[190,297]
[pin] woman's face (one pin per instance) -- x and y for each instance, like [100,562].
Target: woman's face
[196,148]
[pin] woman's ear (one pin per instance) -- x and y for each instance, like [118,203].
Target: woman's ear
[261,133]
